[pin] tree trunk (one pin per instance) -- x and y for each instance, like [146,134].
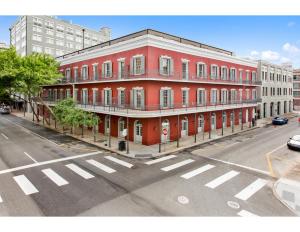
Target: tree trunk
[32,108]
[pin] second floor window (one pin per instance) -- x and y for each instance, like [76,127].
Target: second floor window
[75,74]
[224,96]
[68,74]
[107,95]
[95,72]
[201,70]
[107,69]
[214,71]
[232,74]
[138,65]
[166,66]
[201,97]
[213,96]
[185,70]
[185,97]
[121,69]
[68,93]
[84,72]
[166,97]
[224,73]
[121,97]
[137,98]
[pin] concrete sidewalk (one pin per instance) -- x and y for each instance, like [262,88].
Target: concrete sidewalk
[139,150]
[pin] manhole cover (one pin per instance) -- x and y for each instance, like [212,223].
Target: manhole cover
[233,204]
[183,200]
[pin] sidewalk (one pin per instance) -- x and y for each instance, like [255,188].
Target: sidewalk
[139,150]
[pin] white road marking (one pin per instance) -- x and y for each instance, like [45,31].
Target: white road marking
[245,213]
[1,200]
[177,165]
[57,179]
[240,166]
[30,157]
[251,189]
[27,187]
[222,179]
[4,136]
[80,171]
[118,161]
[101,166]
[197,171]
[48,162]
[160,159]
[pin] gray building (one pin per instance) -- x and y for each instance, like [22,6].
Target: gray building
[276,91]
[48,34]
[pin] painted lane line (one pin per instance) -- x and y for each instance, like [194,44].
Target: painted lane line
[4,136]
[86,175]
[197,171]
[30,157]
[48,162]
[118,161]
[27,187]
[238,165]
[177,165]
[101,166]
[245,213]
[251,189]
[1,200]
[222,179]
[160,159]
[52,175]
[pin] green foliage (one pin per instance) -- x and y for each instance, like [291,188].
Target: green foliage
[68,115]
[9,70]
[37,70]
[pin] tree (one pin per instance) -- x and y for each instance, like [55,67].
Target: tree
[68,115]
[9,73]
[35,71]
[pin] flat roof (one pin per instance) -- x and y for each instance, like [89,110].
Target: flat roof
[149,32]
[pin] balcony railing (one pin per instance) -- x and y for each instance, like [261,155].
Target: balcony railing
[154,74]
[156,108]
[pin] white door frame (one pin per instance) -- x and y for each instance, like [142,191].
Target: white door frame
[165,138]
[184,132]
[138,138]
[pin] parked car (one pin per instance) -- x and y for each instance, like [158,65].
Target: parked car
[294,143]
[4,110]
[279,121]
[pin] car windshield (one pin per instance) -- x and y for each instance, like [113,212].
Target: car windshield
[296,138]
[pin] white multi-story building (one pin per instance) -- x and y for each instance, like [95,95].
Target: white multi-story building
[296,90]
[3,45]
[47,34]
[276,90]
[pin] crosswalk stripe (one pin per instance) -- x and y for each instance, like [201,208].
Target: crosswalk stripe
[57,179]
[245,213]
[160,159]
[197,171]
[222,179]
[251,189]
[26,186]
[177,165]
[118,161]
[1,200]
[80,171]
[101,166]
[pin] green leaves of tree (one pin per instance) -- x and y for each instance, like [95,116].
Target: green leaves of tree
[68,115]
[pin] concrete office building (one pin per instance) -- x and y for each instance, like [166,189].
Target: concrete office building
[276,92]
[47,34]
[296,88]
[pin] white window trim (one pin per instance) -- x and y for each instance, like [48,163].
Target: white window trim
[106,88]
[121,88]
[165,88]
[121,59]
[185,88]
[185,60]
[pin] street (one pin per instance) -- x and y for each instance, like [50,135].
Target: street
[46,173]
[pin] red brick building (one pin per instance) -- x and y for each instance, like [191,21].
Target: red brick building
[149,81]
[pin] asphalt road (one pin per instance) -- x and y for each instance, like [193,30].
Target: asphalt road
[72,180]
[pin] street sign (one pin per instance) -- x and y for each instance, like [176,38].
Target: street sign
[165,131]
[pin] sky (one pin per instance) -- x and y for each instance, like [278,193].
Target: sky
[272,38]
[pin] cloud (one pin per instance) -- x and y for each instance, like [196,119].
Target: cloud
[270,55]
[287,47]
[254,53]
[285,60]
[291,24]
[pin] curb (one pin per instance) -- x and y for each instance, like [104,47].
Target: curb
[152,155]
[280,199]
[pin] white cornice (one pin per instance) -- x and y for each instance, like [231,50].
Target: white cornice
[159,42]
